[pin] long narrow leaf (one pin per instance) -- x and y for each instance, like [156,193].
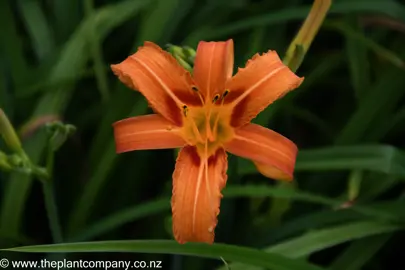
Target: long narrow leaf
[71,63]
[318,240]
[140,211]
[38,28]
[388,7]
[359,252]
[227,252]
[377,158]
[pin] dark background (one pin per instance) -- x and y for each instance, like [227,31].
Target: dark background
[347,119]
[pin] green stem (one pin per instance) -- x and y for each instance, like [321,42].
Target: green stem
[8,133]
[50,202]
[300,45]
[52,210]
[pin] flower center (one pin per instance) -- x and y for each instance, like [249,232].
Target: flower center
[208,127]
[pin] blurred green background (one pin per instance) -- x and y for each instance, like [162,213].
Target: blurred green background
[345,209]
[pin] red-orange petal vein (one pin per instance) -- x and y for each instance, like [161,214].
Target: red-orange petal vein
[264,79]
[146,132]
[160,78]
[273,154]
[213,67]
[197,185]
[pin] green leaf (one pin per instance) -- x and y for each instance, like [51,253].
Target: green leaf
[256,41]
[321,239]
[96,53]
[105,164]
[11,44]
[29,89]
[386,7]
[354,185]
[232,191]
[6,96]
[362,40]
[310,118]
[279,206]
[297,195]
[37,27]
[227,252]
[71,63]
[122,217]
[162,19]
[381,99]
[360,252]
[66,15]
[321,70]
[17,189]
[357,59]
[392,125]
[156,26]
[324,238]
[377,158]
[313,221]
[375,185]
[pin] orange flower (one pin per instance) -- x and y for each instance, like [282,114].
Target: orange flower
[206,114]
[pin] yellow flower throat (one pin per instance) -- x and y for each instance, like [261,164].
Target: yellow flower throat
[208,126]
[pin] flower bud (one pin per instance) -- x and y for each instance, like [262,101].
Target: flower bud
[8,133]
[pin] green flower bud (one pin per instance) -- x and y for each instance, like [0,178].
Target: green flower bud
[8,133]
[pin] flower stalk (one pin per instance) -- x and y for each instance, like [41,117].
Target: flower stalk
[20,162]
[301,43]
[8,133]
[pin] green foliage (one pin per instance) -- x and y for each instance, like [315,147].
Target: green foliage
[227,252]
[344,209]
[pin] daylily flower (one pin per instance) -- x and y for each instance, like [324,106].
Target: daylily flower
[206,114]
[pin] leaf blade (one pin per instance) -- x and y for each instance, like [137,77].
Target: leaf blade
[228,252]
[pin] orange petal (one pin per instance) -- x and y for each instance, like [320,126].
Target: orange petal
[273,154]
[197,185]
[264,79]
[146,132]
[159,77]
[213,66]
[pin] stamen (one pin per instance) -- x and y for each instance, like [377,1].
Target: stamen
[226,92]
[215,128]
[185,110]
[196,131]
[208,130]
[193,124]
[215,98]
[195,89]
[209,134]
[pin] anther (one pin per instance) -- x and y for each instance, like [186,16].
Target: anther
[226,92]
[215,98]
[195,89]
[215,127]
[185,110]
